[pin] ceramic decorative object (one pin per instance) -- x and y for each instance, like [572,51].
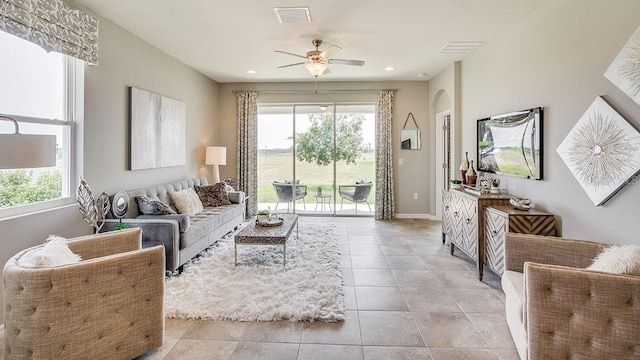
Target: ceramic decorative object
[464,167]
[471,176]
[520,204]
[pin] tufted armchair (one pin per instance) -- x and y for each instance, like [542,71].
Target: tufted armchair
[108,306]
[556,309]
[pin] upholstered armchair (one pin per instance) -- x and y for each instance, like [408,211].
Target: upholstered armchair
[288,192]
[357,193]
[107,306]
[556,309]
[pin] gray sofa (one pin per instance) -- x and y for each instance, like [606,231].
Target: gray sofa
[182,236]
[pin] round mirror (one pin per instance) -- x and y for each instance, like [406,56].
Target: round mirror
[120,204]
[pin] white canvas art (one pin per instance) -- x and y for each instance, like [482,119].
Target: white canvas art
[157,130]
[624,71]
[602,151]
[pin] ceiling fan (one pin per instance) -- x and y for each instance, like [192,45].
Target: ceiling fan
[317,61]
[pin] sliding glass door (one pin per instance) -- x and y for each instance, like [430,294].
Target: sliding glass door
[316,158]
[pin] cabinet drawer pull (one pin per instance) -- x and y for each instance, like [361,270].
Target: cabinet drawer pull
[468,221]
[494,232]
[455,213]
[446,207]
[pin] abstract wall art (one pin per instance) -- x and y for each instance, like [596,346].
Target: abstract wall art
[624,71]
[157,130]
[602,151]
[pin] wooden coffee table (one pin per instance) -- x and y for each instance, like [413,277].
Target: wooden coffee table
[254,234]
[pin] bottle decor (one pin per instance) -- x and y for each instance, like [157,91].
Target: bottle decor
[471,176]
[464,168]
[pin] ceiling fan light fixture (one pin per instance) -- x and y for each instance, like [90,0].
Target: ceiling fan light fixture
[316,68]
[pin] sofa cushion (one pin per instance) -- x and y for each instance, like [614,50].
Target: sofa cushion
[187,201]
[618,259]
[55,252]
[209,220]
[513,287]
[149,206]
[213,195]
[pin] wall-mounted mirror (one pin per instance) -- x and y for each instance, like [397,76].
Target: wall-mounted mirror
[410,139]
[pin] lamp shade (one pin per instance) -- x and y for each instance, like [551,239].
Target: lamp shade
[316,68]
[216,155]
[20,151]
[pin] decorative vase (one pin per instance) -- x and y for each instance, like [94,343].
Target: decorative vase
[471,176]
[464,167]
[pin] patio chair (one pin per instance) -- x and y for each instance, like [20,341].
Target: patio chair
[288,192]
[358,193]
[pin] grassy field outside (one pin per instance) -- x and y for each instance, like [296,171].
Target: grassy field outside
[279,167]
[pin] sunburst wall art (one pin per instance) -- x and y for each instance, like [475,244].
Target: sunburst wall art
[602,151]
[624,71]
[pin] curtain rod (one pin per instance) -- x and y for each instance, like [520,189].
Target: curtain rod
[281,91]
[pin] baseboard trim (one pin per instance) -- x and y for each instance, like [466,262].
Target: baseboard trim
[416,216]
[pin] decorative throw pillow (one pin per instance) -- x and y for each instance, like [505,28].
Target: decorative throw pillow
[187,202]
[55,252]
[618,259]
[213,195]
[149,206]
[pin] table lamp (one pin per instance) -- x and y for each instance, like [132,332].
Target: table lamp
[216,155]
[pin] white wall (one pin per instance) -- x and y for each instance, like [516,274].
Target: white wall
[555,58]
[412,96]
[125,60]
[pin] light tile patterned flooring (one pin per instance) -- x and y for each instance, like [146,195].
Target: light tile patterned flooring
[406,298]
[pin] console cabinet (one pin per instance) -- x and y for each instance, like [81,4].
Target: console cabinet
[463,222]
[502,219]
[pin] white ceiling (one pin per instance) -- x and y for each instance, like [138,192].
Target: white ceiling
[225,38]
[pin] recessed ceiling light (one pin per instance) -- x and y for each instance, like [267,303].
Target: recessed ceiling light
[389,68]
[251,71]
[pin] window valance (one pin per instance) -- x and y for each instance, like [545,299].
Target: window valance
[52,25]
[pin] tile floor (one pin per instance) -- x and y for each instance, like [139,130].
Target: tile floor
[406,298]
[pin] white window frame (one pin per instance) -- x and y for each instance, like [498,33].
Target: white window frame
[73,138]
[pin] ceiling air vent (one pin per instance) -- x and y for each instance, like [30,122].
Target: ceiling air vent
[293,15]
[461,47]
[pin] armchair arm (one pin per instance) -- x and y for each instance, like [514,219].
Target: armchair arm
[301,189]
[520,248]
[164,232]
[103,244]
[581,314]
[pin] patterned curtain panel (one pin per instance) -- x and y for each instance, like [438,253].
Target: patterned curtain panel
[385,205]
[247,116]
[52,25]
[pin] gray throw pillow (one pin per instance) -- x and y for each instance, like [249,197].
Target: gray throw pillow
[148,206]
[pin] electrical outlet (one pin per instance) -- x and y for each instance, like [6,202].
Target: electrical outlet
[400,162]
[415,196]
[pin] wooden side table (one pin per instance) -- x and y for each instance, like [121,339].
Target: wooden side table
[502,219]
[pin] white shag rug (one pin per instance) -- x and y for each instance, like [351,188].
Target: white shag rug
[309,288]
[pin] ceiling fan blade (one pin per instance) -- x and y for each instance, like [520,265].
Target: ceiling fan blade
[345,62]
[290,65]
[330,51]
[288,53]
[326,71]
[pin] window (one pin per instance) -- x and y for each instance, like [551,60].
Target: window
[37,89]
